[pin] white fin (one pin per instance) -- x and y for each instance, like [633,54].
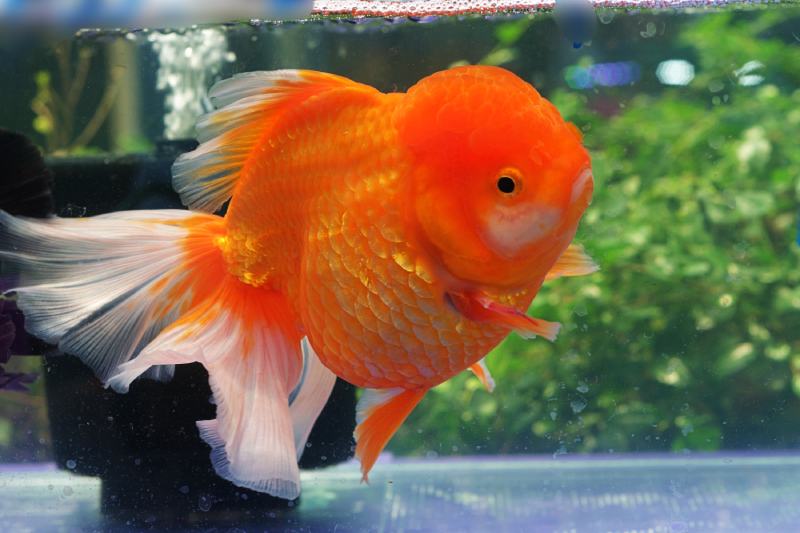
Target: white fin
[253,362]
[573,262]
[482,372]
[310,396]
[104,287]
[90,285]
[248,105]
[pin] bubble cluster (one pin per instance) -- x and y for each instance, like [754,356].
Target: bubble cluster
[187,64]
[389,8]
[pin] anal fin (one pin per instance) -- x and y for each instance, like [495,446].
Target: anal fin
[310,396]
[379,414]
[244,338]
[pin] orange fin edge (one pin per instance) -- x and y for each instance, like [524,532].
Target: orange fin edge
[573,262]
[481,371]
[380,413]
[480,308]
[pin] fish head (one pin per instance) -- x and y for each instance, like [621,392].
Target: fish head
[499,179]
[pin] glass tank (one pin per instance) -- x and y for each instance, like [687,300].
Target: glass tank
[459,145]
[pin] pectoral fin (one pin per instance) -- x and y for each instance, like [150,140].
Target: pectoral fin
[480,308]
[573,262]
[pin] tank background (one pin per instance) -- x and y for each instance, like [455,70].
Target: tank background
[398,54]
[734,412]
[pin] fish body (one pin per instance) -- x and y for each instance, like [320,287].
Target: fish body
[388,239]
[342,244]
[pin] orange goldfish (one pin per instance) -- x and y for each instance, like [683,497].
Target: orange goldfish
[388,239]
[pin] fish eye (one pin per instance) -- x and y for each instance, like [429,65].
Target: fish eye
[506,184]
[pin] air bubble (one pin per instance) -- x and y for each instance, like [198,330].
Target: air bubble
[578,405]
[204,503]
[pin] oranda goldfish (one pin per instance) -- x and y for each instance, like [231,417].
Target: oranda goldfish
[388,239]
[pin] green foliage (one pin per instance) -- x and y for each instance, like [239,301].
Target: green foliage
[688,338]
[24,431]
[55,107]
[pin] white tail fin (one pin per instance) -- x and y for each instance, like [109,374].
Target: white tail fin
[89,284]
[137,292]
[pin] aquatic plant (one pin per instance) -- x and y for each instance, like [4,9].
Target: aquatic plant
[23,417]
[13,381]
[56,106]
[687,338]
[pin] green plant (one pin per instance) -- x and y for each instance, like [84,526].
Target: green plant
[688,336]
[55,108]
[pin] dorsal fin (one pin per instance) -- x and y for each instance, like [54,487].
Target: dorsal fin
[248,105]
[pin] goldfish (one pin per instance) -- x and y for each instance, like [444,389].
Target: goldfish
[389,239]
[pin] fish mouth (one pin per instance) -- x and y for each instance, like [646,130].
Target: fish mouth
[511,229]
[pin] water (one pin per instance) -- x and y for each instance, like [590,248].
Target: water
[684,343]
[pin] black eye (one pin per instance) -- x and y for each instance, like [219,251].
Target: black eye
[506,184]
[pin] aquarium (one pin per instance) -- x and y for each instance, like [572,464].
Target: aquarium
[669,401]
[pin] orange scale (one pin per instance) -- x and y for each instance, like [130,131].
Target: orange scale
[358,374]
[448,337]
[387,295]
[342,302]
[368,336]
[419,285]
[415,316]
[388,333]
[403,293]
[429,306]
[391,376]
[373,369]
[353,263]
[399,320]
[426,334]
[458,361]
[410,342]
[366,318]
[350,223]
[379,308]
[336,240]
[407,370]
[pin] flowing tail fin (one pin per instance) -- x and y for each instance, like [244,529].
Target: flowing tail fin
[137,292]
